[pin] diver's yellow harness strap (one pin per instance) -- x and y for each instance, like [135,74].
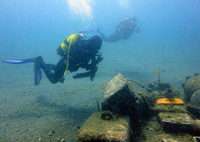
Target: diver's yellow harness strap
[70,44]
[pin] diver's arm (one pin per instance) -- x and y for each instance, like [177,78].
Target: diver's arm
[137,29]
[103,36]
[94,65]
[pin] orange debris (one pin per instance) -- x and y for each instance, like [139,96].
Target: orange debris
[177,101]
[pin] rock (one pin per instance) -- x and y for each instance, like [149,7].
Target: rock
[191,85]
[195,99]
[97,129]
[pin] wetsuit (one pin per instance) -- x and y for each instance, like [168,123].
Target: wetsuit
[81,52]
[122,32]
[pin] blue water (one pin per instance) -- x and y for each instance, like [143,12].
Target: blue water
[169,29]
[169,42]
[40,26]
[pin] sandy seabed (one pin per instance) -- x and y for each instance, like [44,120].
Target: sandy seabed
[53,112]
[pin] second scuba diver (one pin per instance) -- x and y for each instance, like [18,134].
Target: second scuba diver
[123,30]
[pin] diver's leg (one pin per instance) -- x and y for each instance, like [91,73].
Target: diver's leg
[102,35]
[51,66]
[113,38]
[59,70]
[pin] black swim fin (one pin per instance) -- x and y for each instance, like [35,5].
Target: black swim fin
[37,74]
[37,77]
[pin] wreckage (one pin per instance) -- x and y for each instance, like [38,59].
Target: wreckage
[125,111]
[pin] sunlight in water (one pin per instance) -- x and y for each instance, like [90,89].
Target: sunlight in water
[82,8]
[124,3]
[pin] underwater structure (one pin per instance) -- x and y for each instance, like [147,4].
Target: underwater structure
[125,111]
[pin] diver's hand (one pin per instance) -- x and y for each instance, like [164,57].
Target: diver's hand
[62,80]
[99,59]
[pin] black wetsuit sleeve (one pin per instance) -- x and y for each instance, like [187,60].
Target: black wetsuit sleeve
[94,67]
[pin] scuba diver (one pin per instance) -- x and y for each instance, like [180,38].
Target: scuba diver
[123,31]
[77,51]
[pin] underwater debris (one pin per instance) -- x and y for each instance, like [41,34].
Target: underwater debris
[191,85]
[175,122]
[123,111]
[168,140]
[97,129]
[98,105]
[119,95]
[107,115]
[137,83]
[173,101]
[157,73]
[157,87]
[196,139]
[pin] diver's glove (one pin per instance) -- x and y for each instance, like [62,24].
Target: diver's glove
[90,74]
[99,59]
[62,80]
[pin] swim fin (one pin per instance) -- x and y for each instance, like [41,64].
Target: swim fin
[19,61]
[37,77]
[37,74]
[37,68]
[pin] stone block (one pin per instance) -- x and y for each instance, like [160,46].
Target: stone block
[97,129]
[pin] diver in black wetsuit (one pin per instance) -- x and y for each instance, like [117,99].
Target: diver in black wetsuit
[123,30]
[76,52]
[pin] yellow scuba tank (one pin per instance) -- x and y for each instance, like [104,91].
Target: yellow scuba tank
[66,45]
[72,39]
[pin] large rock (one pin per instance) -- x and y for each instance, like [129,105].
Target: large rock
[195,99]
[191,85]
[97,129]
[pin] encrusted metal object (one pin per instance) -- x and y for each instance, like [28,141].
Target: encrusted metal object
[175,121]
[114,85]
[107,115]
[119,95]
